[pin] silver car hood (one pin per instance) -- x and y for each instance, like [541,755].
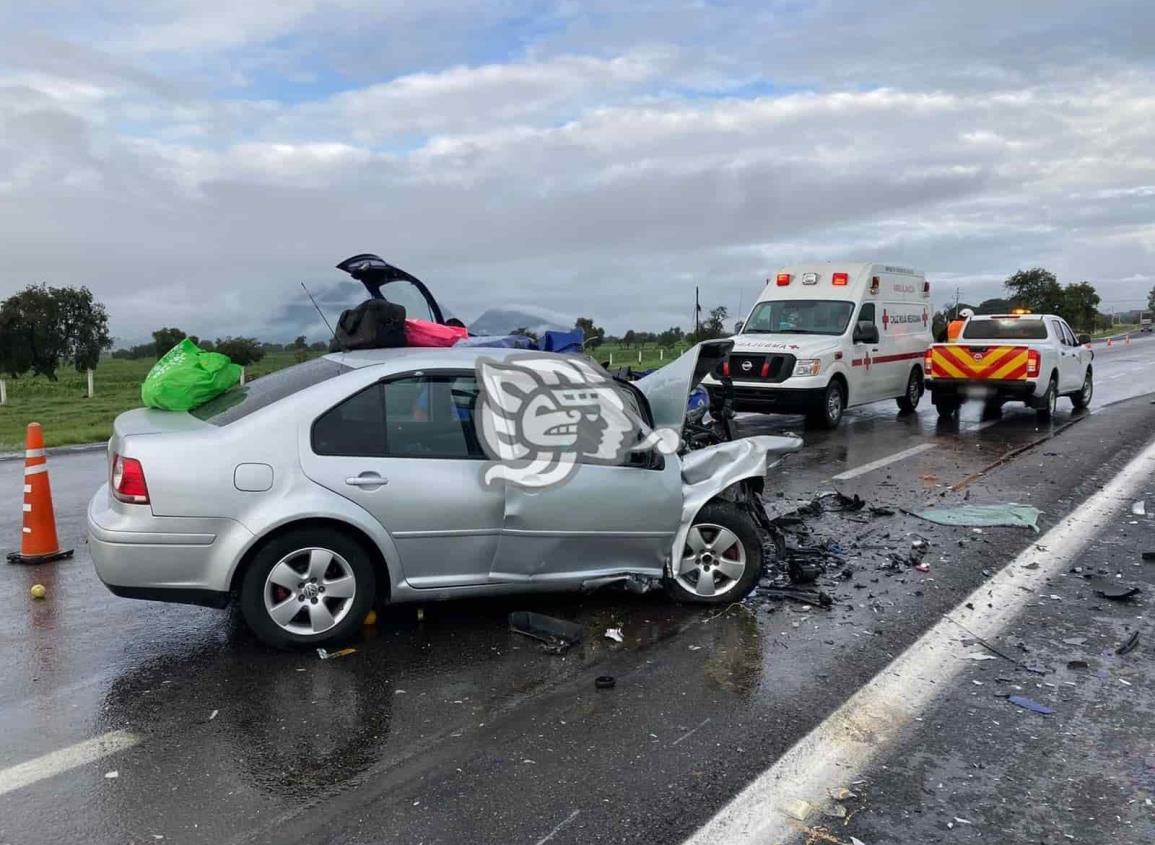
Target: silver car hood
[668,390]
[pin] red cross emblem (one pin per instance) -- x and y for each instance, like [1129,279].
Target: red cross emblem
[866,361]
[885,320]
[925,317]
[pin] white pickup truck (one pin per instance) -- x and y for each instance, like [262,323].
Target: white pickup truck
[1029,358]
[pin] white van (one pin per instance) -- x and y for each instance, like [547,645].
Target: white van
[826,337]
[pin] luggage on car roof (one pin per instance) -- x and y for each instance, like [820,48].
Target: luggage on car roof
[374,324]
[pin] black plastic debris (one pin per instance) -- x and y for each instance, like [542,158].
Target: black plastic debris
[1078,664]
[818,598]
[557,635]
[1149,556]
[605,682]
[1114,590]
[879,511]
[1129,646]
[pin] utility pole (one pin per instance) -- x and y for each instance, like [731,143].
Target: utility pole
[957,297]
[697,313]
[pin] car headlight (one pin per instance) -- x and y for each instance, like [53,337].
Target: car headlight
[808,367]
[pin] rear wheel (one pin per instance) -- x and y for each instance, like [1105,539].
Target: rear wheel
[828,413]
[722,558]
[908,402]
[1083,398]
[1046,407]
[947,406]
[308,587]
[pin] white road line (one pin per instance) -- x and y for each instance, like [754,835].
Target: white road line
[838,751]
[881,462]
[30,771]
[554,832]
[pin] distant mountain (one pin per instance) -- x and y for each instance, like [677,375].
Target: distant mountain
[499,321]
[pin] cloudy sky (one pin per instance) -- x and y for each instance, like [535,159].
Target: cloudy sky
[192,161]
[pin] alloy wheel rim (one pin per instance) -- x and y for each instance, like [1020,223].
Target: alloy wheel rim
[309,591]
[713,561]
[1088,389]
[834,404]
[913,390]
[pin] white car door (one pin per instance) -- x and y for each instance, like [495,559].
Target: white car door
[1070,368]
[870,380]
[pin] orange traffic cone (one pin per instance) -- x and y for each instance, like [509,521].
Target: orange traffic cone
[38,542]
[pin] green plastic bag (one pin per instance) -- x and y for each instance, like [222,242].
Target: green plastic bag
[187,377]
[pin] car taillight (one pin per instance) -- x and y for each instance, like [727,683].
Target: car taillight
[128,483]
[928,364]
[841,279]
[726,368]
[783,279]
[1032,362]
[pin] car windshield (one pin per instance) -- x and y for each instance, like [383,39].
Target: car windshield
[239,402]
[1005,328]
[799,316]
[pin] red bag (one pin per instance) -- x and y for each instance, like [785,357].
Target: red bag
[425,333]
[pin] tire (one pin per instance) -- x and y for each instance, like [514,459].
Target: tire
[947,406]
[828,413]
[301,566]
[1083,398]
[908,402]
[1045,409]
[723,546]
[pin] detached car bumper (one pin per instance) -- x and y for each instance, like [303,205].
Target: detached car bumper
[962,389]
[174,559]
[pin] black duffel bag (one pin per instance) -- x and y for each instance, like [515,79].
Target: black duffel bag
[374,324]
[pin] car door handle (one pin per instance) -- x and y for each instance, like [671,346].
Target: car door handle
[367,479]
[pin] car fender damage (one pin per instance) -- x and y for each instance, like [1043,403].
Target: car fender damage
[708,472]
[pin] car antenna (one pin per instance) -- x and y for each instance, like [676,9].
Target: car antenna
[319,311]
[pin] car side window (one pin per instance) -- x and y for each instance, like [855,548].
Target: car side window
[1070,334]
[431,416]
[354,427]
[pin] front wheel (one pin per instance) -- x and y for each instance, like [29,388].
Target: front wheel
[908,401]
[308,587]
[1083,398]
[1048,402]
[722,558]
[828,413]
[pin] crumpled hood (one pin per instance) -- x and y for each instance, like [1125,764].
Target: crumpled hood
[667,390]
[800,346]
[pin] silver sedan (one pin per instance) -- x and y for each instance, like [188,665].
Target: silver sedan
[314,493]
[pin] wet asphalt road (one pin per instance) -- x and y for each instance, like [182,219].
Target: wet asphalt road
[451,729]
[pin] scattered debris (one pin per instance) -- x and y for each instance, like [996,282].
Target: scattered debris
[39,591]
[1149,556]
[614,634]
[1075,640]
[811,597]
[329,655]
[556,634]
[840,793]
[370,618]
[1011,515]
[213,715]
[962,821]
[854,840]
[922,567]
[1114,590]
[798,809]
[1078,664]
[877,511]
[605,682]
[1129,646]
[978,655]
[1030,704]
[1139,508]
[112,775]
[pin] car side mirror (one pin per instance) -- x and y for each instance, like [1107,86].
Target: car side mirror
[865,332]
[1084,339]
[738,327]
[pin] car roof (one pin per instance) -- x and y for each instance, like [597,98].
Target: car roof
[456,356]
[1010,316]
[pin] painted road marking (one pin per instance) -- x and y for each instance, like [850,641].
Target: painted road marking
[881,462]
[30,771]
[839,750]
[554,832]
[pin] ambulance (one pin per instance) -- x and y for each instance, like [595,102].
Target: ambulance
[826,337]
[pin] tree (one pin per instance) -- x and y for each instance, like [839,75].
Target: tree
[301,348]
[671,336]
[628,338]
[593,335]
[166,339]
[1151,300]
[46,326]
[1036,289]
[241,350]
[713,326]
[1080,305]
[994,306]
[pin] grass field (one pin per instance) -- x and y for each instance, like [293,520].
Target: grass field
[69,417]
